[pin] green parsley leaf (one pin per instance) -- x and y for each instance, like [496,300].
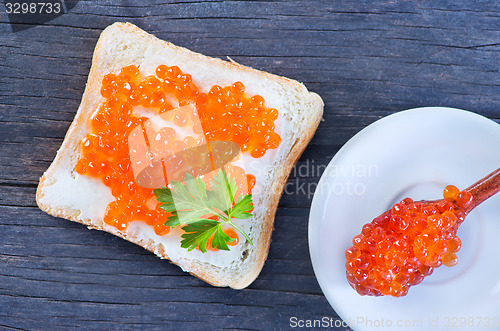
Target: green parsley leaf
[221,239]
[222,191]
[192,204]
[242,208]
[198,233]
[186,202]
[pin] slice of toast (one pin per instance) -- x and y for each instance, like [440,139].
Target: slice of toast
[63,192]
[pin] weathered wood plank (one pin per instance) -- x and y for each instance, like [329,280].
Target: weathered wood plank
[65,274]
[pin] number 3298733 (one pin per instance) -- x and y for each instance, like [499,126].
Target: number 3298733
[33,7]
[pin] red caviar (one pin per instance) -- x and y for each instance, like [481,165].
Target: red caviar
[403,245]
[226,113]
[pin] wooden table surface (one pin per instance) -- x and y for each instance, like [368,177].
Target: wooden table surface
[367,59]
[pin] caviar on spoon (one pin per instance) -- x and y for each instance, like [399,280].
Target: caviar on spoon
[403,245]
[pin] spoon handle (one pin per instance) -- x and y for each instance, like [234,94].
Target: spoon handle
[483,189]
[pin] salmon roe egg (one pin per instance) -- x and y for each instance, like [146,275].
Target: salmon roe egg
[401,247]
[450,193]
[225,113]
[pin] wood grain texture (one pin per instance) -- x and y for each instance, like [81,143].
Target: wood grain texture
[367,59]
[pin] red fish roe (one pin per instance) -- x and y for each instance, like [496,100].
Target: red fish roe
[226,114]
[402,246]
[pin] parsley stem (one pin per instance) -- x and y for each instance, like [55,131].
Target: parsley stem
[221,215]
[240,231]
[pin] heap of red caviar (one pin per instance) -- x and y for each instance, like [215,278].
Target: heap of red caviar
[404,245]
[226,114]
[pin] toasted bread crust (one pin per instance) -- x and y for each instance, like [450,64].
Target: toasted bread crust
[80,126]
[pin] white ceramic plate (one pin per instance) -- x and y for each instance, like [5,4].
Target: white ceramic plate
[413,153]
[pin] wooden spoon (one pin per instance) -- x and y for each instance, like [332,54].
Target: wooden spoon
[403,245]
